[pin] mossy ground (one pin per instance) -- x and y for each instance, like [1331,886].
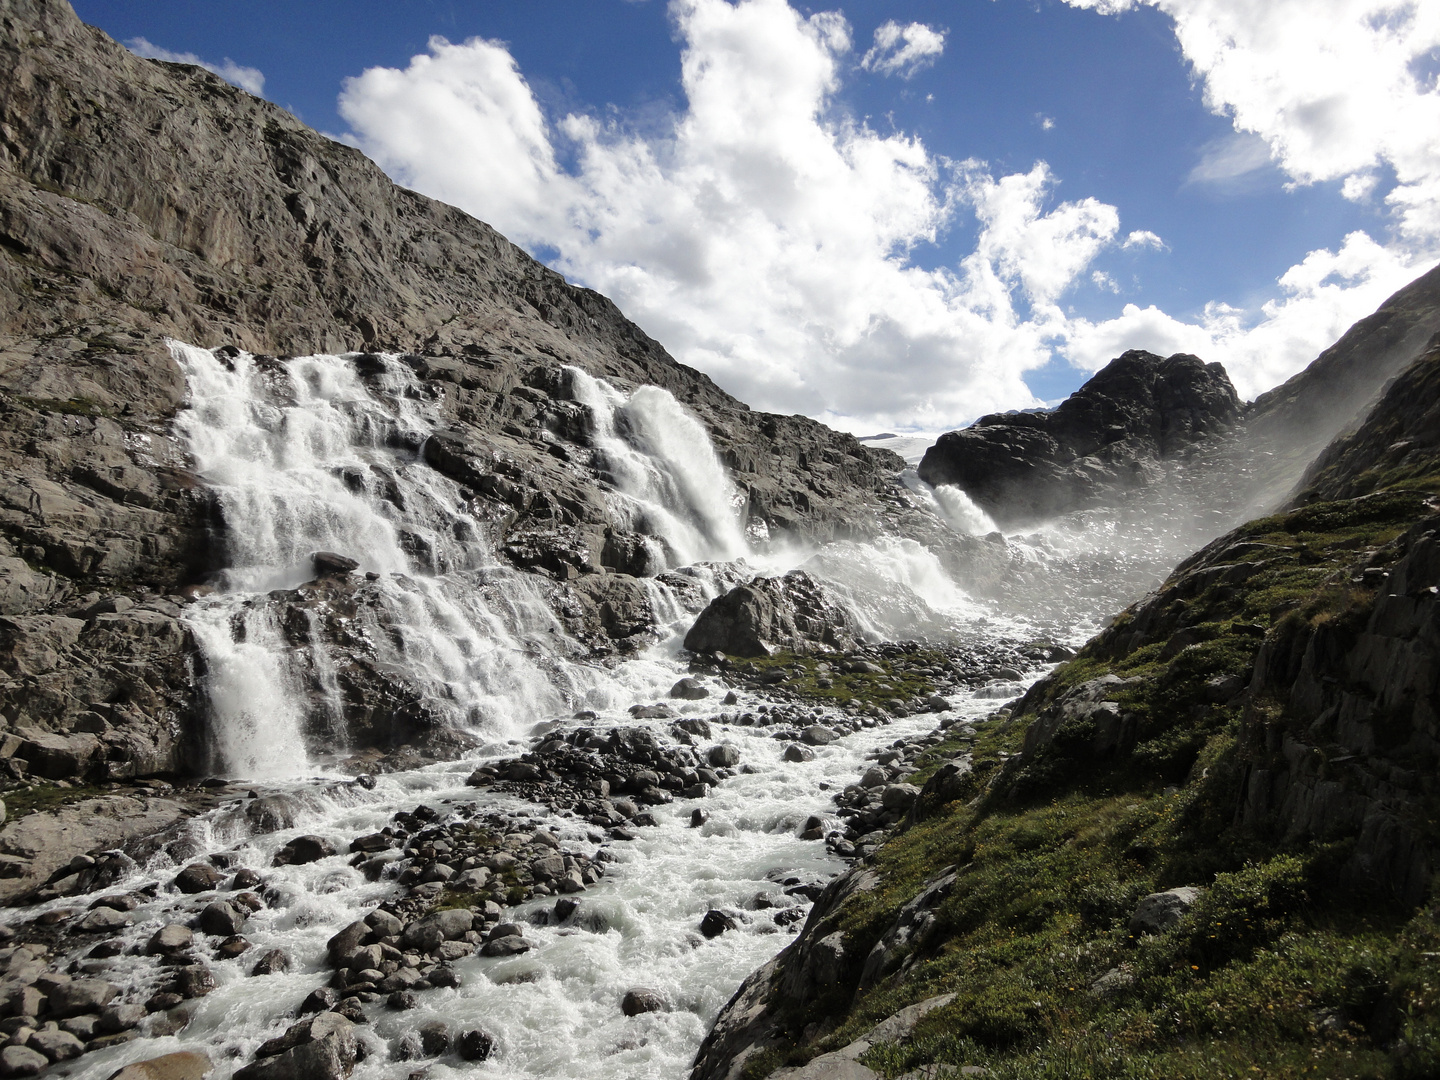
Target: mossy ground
[20,801]
[899,679]
[1277,971]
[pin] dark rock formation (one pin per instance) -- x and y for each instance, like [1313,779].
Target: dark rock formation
[790,612]
[1109,437]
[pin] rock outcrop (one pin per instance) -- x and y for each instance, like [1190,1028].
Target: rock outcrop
[1110,437]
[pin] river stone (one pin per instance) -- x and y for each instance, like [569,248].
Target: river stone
[185,1065]
[57,1045]
[716,923]
[1160,911]
[818,735]
[120,1016]
[221,919]
[197,878]
[548,867]
[689,689]
[434,1038]
[22,1061]
[103,920]
[474,1045]
[723,756]
[511,945]
[797,753]
[452,924]
[80,996]
[271,813]
[304,849]
[324,1048]
[385,924]
[193,980]
[346,942]
[328,562]
[642,999]
[874,777]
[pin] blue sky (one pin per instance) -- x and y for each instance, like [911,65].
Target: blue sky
[974,224]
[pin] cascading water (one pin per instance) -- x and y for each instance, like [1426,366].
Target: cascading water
[668,481]
[309,455]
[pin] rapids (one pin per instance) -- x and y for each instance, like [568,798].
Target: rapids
[309,455]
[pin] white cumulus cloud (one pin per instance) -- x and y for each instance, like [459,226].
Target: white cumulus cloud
[769,238]
[766,238]
[247,78]
[903,50]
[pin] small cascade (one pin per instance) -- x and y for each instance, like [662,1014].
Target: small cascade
[668,482]
[952,505]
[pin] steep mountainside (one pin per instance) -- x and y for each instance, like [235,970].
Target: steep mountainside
[142,201]
[1206,846]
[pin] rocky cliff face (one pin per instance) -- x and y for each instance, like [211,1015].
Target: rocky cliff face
[142,201]
[1112,436]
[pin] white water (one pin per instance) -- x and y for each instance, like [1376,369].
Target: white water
[307,455]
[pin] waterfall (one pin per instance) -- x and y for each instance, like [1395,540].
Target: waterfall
[668,482]
[307,455]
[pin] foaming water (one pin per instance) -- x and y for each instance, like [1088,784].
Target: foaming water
[668,481]
[554,1011]
[952,505]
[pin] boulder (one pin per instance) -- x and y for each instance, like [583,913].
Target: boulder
[56,1045]
[198,878]
[1160,911]
[797,753]
[304,849]
[120,1016]
[689,689]
[642,999]
[716,923]
[328,562]
[274,962]
[22,1061]
[818,735]
[221,919]
[791,612]
[321,1048]
[81,996]
[474,1045]
[723,756]
[185,1065]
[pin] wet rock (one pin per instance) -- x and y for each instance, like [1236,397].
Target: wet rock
[163,1001]
[185,1065]
[434,1038]
[451,925]
[642,999]
[246,878]
[716,923]
[304,849]
[80,996]
[193,980]
[346,942]
[565,907]
[797,753]
[274,962]
[103,920]
[22,1061]
[328,562]
[689,689]
[723,756]
[198,878]
[272,813]
[322,1048]
[698,817]
[1160,911]
[511,945]
[475,1045]
[403,1000]
[321,999]
[817,735]
[384,923]
[221,919]
[233,946]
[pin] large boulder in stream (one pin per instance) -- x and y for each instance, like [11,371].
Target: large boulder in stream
[790,612]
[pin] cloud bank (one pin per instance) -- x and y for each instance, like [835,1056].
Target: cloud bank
[247,78]
[770,239]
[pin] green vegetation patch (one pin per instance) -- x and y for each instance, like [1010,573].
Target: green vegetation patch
[20,801]
[803,677]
